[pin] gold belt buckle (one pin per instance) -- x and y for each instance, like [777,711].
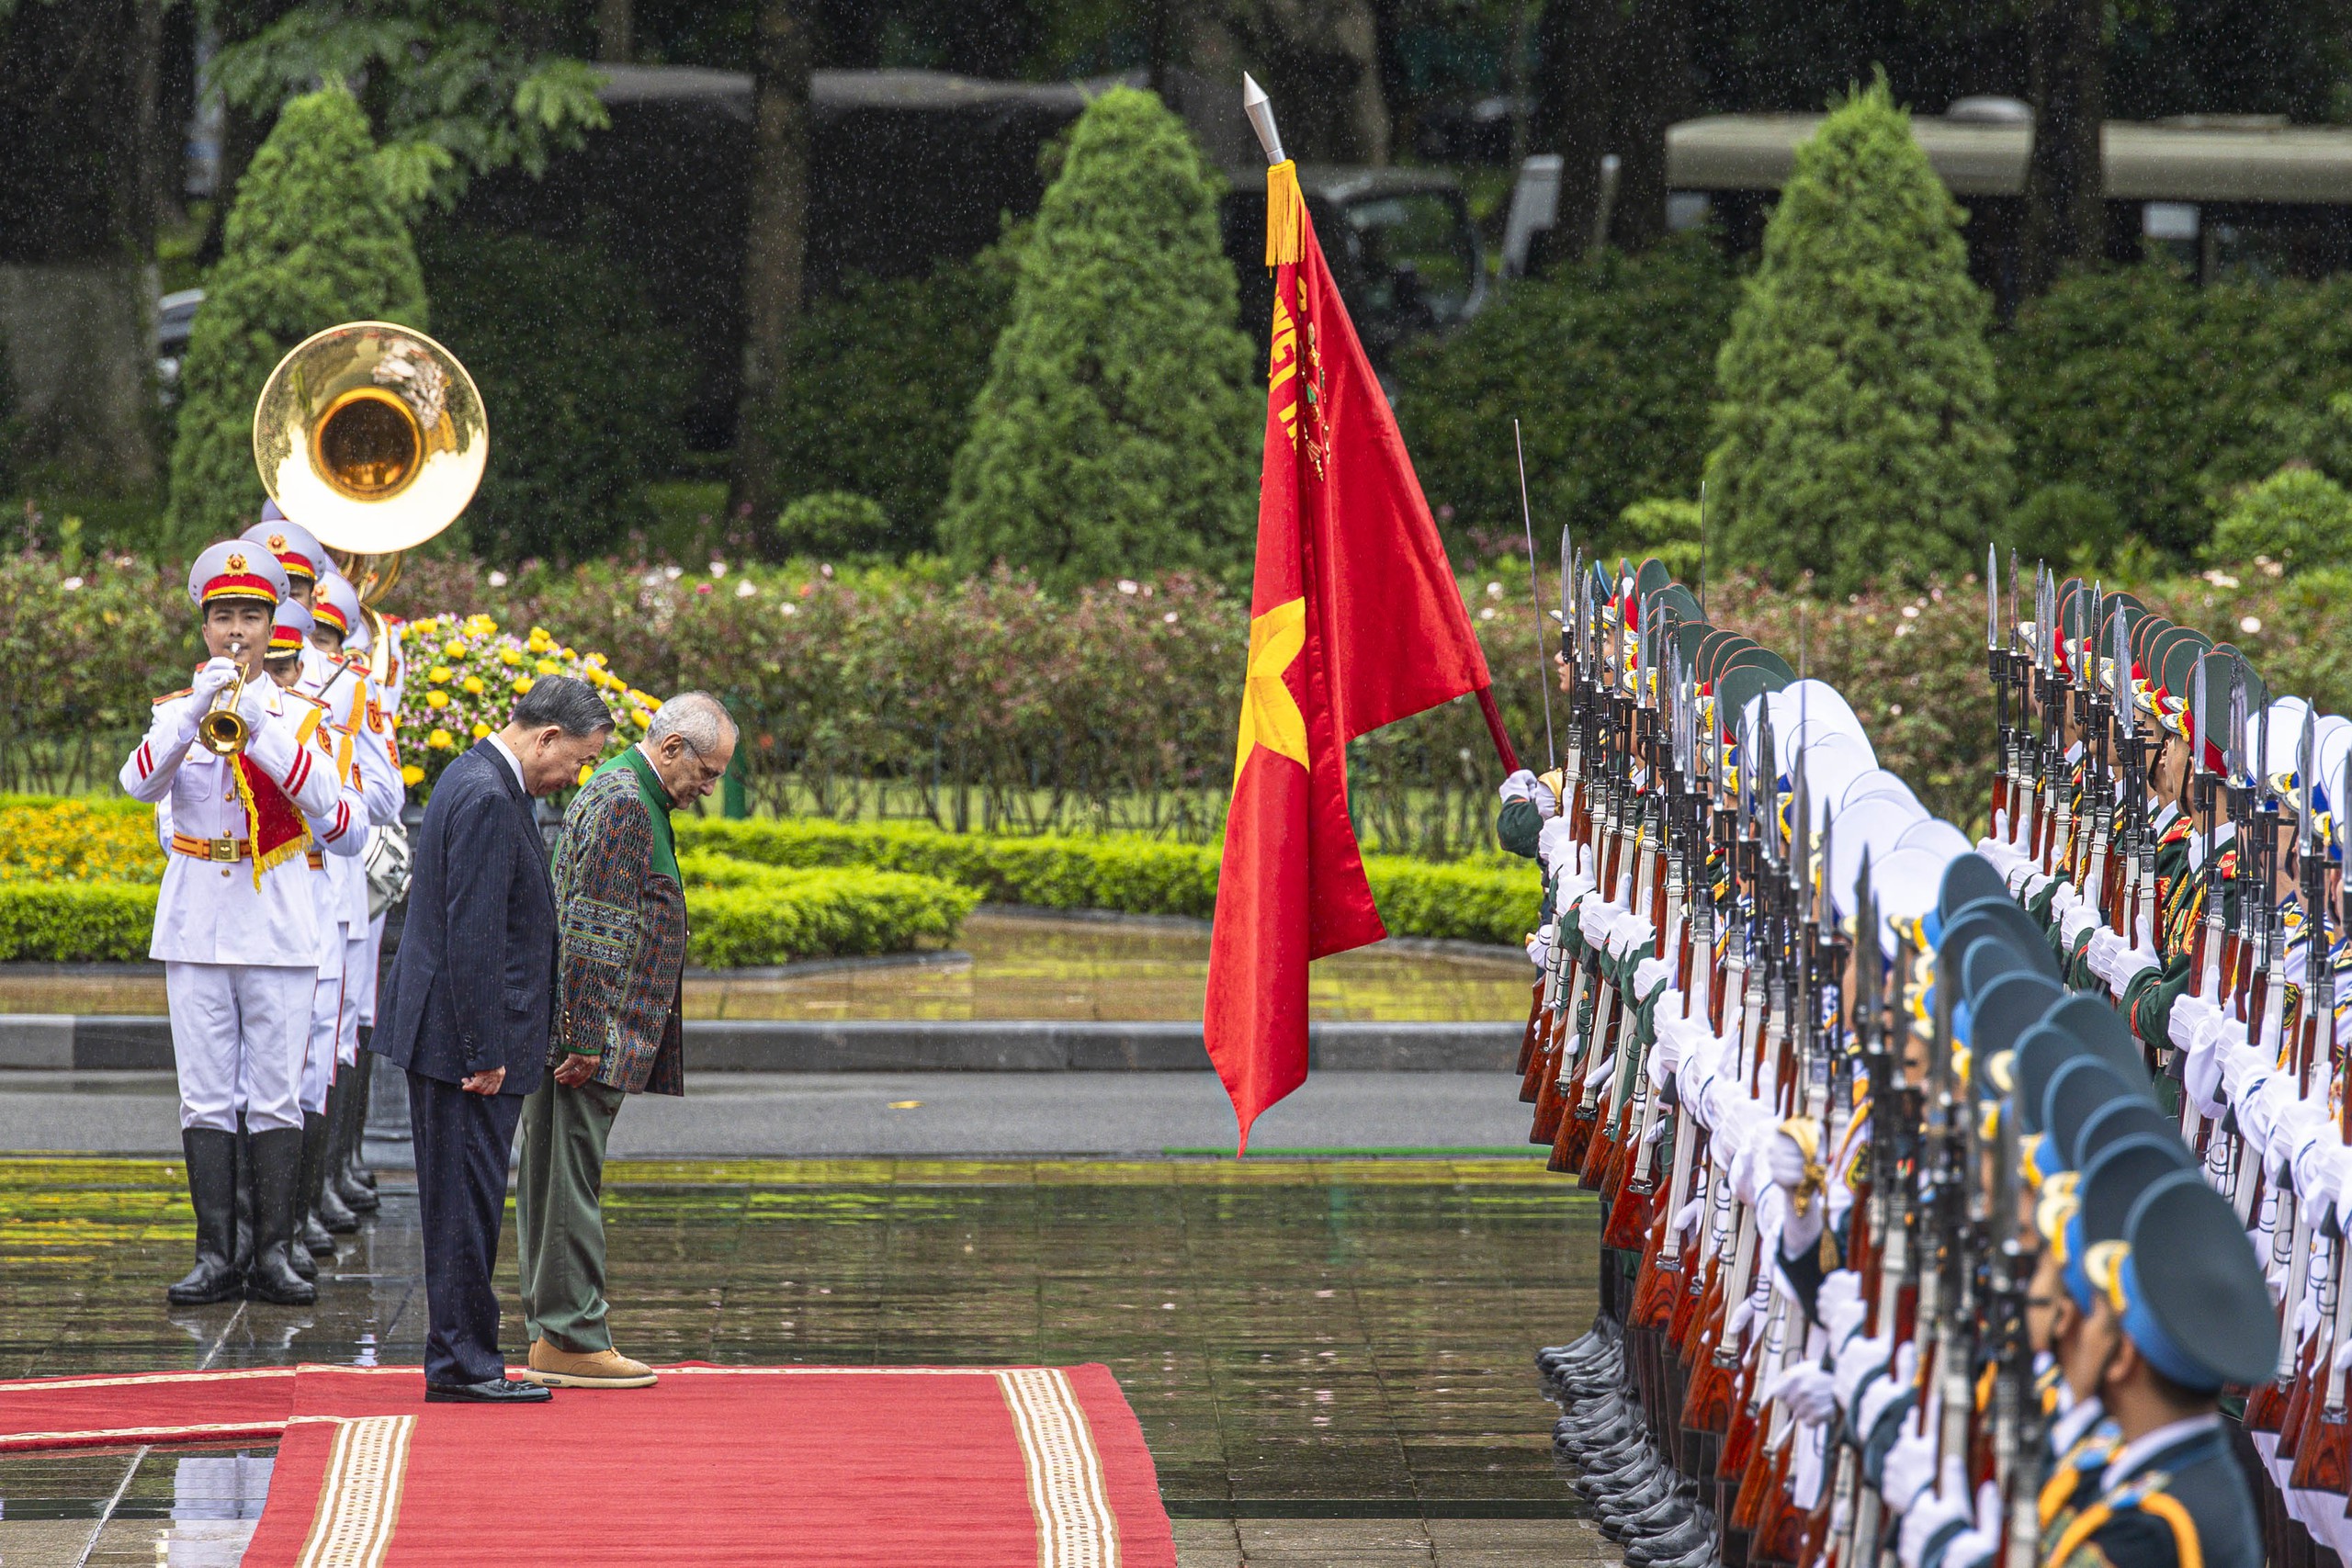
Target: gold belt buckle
[223,850]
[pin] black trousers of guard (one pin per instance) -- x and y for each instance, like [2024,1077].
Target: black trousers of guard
[462,1143]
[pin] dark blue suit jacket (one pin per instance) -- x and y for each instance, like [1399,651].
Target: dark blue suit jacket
[473,987]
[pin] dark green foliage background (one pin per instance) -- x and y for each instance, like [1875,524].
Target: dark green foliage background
[312,240]
[1856,427]
[1115,432]
[1610,369]
[584,388]
[877,394]
[2161,397]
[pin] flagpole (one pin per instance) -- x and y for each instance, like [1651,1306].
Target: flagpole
[1527,520]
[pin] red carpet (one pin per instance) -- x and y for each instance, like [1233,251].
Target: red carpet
[996,1468]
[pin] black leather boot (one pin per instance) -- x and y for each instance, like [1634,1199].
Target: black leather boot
[347,1109]
[278,1167]
[327,1215]
[212,1189]
[243,1257]
[365,1070]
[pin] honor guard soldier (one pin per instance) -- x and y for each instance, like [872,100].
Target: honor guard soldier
[2181,1310]
[235,926]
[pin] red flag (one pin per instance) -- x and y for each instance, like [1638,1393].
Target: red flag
[1355,621]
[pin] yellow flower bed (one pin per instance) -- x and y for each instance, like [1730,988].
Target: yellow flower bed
[44,839]
[471,671]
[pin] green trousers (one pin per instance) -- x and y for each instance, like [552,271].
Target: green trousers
[559,1223]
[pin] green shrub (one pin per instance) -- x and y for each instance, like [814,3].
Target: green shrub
[1856,433]
[2298,517]
[75,922]
[1115,433]
[1667,529]
[741,914]
[1469,901]
[314,239]
[584,400]
[2069,523]
[876,394]
[2163,396]
[832,526]
[1609,366]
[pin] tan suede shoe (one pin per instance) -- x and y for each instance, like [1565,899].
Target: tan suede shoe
[604,1368]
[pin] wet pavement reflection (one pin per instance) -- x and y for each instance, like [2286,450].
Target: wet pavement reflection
[1006,965]
[1330,1358]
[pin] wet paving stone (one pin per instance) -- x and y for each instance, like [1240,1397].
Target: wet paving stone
[1329,1357]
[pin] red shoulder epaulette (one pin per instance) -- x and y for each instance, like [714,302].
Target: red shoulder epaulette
[173,696]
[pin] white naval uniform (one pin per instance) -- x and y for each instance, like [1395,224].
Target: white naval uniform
[239,960]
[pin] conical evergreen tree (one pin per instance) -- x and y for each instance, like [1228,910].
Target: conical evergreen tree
[1855,431]
[313,239]
[1113,435]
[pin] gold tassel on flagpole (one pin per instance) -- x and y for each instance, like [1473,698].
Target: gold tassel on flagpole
[1285,213]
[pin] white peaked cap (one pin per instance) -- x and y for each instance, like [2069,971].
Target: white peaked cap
[1877,782]
[1875,827]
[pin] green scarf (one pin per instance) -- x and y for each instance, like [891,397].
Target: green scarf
[657,808]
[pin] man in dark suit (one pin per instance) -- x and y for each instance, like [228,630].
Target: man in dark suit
[469,1007]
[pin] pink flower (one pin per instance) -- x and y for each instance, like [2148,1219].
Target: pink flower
[702,588]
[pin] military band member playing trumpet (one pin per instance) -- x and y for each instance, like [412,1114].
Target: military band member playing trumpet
[235,925]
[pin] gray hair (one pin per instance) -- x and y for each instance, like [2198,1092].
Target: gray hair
[697,718]
[570,704]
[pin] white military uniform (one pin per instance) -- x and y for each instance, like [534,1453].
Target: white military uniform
[383,720]
[240,946]
[365,769]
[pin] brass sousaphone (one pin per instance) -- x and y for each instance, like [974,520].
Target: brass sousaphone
[373,437]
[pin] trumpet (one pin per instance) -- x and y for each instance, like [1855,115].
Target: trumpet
[223,731]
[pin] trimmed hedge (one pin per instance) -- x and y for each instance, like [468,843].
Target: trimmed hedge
[67,922]
[1470,900]
[740,913]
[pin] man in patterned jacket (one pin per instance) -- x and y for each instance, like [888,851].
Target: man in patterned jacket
[621,951]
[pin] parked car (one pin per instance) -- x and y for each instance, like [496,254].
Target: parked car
[175,315]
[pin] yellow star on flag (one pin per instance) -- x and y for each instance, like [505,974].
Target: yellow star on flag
[1270,716]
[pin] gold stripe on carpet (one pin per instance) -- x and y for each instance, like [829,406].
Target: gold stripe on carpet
[359,1499]
[1076,1528]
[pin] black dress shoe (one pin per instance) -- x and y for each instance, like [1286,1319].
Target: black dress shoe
[496,1391]
[1684,1539]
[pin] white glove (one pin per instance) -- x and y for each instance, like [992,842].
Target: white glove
[1910,1467]
[253,703]
[2243,1067]
[1931,1511]
[1547,804]
[2078,917]
[1857,1359]
[1840,1307]
[2034,883]
[2107,946]
[1665,1053]
[1886,1390]
[1650,975]
[1805,1390]
[1519,785]
[1538,947]
[2188,1013]
[209,681]
[2063,899]
[1557,836]
[1977,1543]
[1684,1218]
